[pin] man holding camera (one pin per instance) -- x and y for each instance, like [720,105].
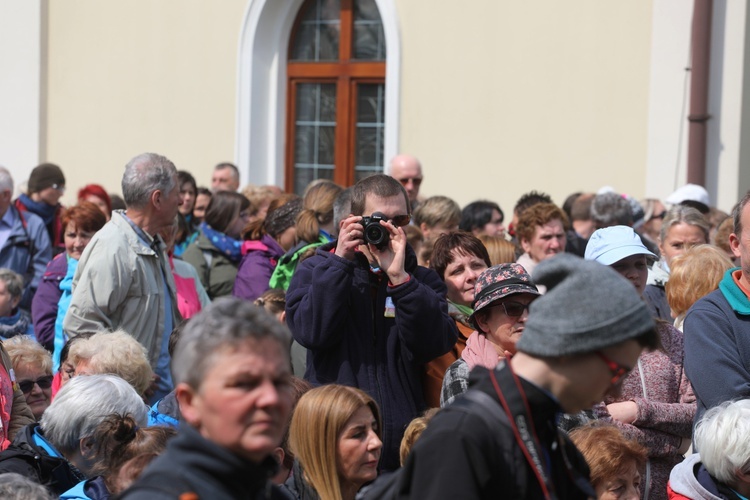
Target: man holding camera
[368,315]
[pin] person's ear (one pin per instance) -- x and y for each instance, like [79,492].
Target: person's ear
[480,319]
[156,198]
[190,403]
[15,301]
[278,455]
[525,244]
[425,229]
[282,317]
[734,245]
[86,446]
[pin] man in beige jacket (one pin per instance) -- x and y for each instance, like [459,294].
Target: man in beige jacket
[123,280]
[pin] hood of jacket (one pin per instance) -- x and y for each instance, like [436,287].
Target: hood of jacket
[690,479]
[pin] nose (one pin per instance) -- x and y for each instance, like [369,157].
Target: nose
[633,493]
[35,389]
[269,395]
[524,316]
[375,443]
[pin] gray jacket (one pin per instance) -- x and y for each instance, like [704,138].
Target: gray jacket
[119,285]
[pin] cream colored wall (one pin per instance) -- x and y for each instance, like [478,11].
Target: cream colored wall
[499,98]
[141,75]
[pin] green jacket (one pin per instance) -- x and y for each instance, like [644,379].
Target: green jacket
[284,271]
[216,271]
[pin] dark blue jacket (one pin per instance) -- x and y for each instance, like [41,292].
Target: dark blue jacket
[717,346]
[337,309]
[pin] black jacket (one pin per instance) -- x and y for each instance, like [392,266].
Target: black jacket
[469,450]
[26,456]
[336,308]
[193,464]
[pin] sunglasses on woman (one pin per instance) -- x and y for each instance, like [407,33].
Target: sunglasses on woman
[43,383]
[513,309]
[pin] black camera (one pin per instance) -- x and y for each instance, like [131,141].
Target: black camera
[375,234]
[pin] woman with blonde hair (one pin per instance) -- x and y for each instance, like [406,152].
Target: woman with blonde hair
[501,250]
[695,274]
[314,227]
[115,353]
[335,437]
[32,365]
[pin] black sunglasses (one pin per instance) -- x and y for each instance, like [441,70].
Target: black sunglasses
[401,220]
[43,383]
[513,309]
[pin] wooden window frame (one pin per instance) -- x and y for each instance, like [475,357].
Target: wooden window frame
[346,74]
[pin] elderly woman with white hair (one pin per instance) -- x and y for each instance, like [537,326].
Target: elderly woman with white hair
[721,469]
[56,452]
[234,386]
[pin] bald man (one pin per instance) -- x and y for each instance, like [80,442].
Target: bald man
[408,171]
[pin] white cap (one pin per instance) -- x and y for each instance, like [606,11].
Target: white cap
[689,192]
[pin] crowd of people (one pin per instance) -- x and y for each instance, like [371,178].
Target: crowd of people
[178,341]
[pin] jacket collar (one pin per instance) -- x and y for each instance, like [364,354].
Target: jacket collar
[134,240]
[733,294]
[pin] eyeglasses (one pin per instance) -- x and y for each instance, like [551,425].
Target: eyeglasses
[43,383]
[414,180]
[618,371]
[58,187]
[401,220]
[513,309]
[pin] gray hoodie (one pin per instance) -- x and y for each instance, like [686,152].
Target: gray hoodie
[683,481]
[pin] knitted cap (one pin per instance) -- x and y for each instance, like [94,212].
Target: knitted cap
[500,281]
[44,176]
[283,217]
[587,307]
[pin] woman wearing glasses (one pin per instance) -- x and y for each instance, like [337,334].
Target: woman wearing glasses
[502,296]
[654,403]
[32,365]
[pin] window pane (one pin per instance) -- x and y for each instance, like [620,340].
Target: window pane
[369,130]
[369,39]
[314,133]
[317,37]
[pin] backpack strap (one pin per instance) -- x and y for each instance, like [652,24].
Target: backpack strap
[209,258]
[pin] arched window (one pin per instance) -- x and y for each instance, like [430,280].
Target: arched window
[336,93]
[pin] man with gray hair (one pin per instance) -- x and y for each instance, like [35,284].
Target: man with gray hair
[24,244]
[234,386]
[123,280]
[226,177]
[611,209]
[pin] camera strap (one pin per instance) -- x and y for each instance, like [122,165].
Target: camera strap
[519,418]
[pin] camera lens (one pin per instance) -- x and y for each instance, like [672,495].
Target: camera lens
[375,234]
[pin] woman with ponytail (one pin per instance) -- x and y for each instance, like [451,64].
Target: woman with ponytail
[266,240]
[314,227]
[114,442]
